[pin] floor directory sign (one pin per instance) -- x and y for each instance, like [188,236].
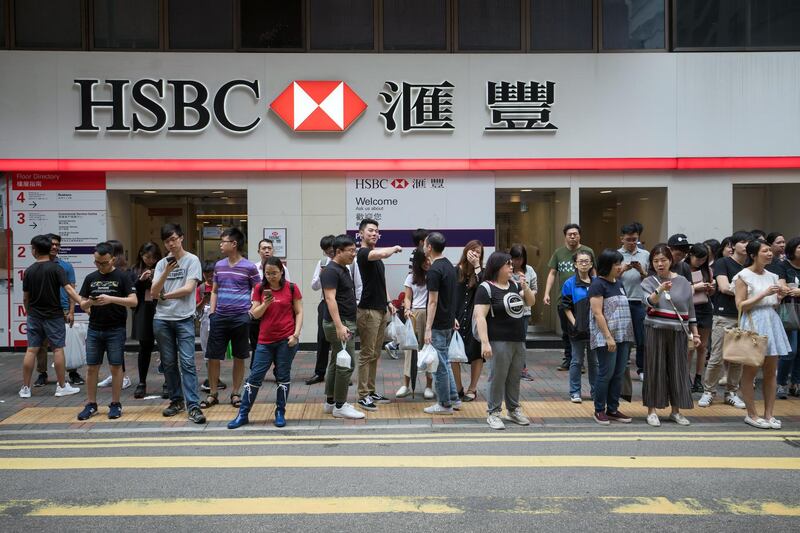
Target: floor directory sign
[69,204]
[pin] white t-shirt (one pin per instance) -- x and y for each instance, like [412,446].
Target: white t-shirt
[419,293]
[179,308]
[757,283]
[533,283]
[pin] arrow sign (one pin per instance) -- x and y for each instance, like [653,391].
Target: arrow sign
[33,204]
[33,225]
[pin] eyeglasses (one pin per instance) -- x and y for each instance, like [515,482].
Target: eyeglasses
[273,274]
[509,263]
[223,241]
[583,261]
[172,239]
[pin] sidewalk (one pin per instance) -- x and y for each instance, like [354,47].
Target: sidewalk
[545,400]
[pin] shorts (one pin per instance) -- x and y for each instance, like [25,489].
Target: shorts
[51,329]
[109,341]
[224,329]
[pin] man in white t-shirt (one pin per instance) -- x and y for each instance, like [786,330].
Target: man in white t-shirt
[174,281]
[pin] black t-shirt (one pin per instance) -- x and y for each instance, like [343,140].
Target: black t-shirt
[115,283]
[725,304]
[504,320]
[43,281]
[787,272]
[683,269]
[373,279]
[336,276]
[441,278]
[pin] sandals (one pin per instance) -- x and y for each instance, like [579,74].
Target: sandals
[238,401]
[210,400]
[470,395]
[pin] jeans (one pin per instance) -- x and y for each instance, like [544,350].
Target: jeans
[789,364]
[637,317]
[580,347]
[444,382]
[176,341]
[109,341]
[281,355]
[612,366]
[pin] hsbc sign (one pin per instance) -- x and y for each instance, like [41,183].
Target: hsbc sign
[189,106]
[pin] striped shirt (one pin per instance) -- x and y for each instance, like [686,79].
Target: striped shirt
[234,286]
[662,315]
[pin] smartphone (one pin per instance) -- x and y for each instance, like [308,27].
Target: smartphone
[171,260]
[93,297]
[636,263]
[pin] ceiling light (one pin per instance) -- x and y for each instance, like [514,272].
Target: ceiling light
[644,198]
[217,192]
[242,220]
[223,197]
[525,190]
[150,192]
[607,191]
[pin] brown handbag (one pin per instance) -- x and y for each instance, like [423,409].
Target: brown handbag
[742,346]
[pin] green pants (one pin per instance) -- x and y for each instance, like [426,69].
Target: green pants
[337,379]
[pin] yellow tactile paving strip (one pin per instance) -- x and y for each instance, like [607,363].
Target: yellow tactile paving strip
[394,411]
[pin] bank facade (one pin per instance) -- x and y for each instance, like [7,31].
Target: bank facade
[502,147]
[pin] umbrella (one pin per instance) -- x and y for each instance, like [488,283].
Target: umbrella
[413,363]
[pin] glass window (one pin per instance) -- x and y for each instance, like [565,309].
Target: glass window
[201,24]
[633,24]
[125,24]
[272,24]
[561,25]
[711,23]
[342,24]
[489,25]
[415,25]
[48,24]
[775,23]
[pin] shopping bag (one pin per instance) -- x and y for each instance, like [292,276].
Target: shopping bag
[75,348]
[456,352]
[408,339]
[205,327]
[395,328]
[427,356]
[789,312]
[343,359]
[743,346]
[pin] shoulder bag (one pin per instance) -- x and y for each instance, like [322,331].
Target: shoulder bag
[684,326]
[742,346]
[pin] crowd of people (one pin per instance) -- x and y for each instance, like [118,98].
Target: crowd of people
[670,305]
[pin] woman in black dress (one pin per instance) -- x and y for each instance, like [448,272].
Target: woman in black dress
[470,275]
[149,255]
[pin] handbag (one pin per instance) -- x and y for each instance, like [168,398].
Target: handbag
[742,346]
[790,316]
[685,328]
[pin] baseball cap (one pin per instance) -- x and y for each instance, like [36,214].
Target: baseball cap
[678,240]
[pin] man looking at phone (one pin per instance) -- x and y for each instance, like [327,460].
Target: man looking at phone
[105,295]
[635,262]
[174,281]
[229,313]
[372,315]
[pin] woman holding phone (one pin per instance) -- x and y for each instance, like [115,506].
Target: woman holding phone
[145,311]
[704,287]
[278,305]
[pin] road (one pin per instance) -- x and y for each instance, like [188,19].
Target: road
[403,478]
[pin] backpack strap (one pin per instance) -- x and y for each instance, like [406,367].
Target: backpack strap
[487,285]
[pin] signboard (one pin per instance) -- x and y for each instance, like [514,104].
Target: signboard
[461,208]
[278,238]
[72,205]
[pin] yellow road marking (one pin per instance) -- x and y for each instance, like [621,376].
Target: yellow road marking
[646,505]
[401,461]
[420,439]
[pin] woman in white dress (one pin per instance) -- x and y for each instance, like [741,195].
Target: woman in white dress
[757,297]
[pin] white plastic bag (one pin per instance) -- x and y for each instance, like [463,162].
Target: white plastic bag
[456,352]
[395,328]
[75,348]
[408,339]
[427,356]
[205,327]
[343,358]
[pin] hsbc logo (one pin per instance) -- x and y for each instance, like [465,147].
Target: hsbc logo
[190,106]
[399,183]
[318,106]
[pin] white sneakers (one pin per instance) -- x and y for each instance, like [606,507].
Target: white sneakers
[126,382]
[734,400]
[327,408]
[429,394]
[347,411]
[494,421]
[760,423]
[402,392]
[518,417]
[679,419]
[576,399]
[705,399]
[438,409]
[66,390]
[652,420]
[25,392]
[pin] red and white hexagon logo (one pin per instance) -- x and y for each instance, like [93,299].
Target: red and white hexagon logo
[318,106]
[399,183]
